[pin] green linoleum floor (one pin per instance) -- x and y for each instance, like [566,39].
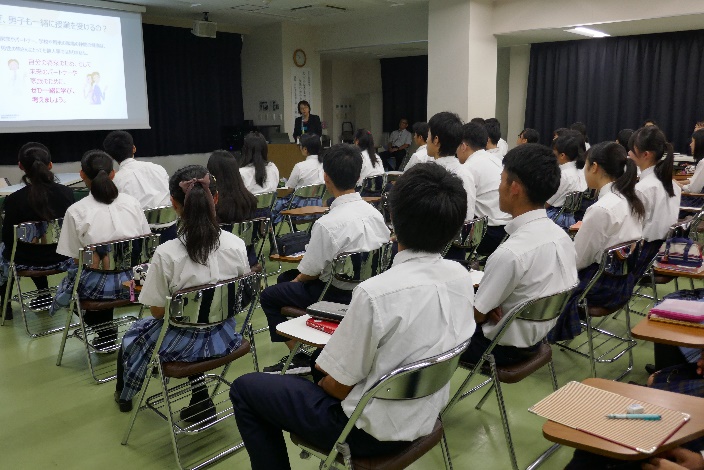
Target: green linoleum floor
[57,417]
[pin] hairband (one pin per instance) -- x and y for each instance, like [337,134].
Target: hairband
[187,185]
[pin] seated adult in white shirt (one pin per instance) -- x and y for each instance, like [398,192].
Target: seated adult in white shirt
[396,148]
[485,167]
[351,225]
[371,162]
[259,174]
[528,136]
[145,181]
[420,307]
[536,260]
[444,137]
[616,217]
[566,150]
[420,134]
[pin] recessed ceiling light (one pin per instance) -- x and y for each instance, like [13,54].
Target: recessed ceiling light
[592,33]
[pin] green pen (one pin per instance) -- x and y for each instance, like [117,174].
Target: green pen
[635,416]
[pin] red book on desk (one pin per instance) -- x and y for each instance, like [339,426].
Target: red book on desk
[322,325]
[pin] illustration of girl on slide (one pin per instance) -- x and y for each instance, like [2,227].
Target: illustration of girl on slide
[92,91]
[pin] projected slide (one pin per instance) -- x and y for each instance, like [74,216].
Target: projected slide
[60,65]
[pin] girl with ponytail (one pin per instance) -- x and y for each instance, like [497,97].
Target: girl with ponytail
[202,254]
[566,149]
[615,217]
[371,162]
[103,216]
[259,174]
[41,200]
[661,197]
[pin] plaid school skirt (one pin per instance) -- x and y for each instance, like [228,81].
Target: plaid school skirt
[180,344]
[608,292]
[64,265]
[282,202]
[650,249]
[565,220]
[93,285]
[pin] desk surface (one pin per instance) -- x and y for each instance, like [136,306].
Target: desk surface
[694,428]
[296,329]
[307,210]
[576,226]
[669,333]
[286,259]
[372,199]
[673,273]
[67,179]
[283,192]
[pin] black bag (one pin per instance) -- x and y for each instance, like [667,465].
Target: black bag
[292,243]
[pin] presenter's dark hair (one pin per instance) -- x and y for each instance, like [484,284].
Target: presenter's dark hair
[447,127]
[493,129]
[531,135]
[420,129]
[613,159]
[254,152]
[119,145]
[35,159]
[311,142]
[698,137]
[198,227]
[428,206]
[569,145]
[235,202]
[474,135]
[651,138]
[365,141]
[343,164]
[97,165]
[624,137]
[298,108]
[535,168]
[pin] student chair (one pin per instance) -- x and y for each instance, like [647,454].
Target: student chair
[200,308]
[410,382]
[372,186]
[265,203]
[110,257]
[253,233]
[572,204]
[160,215]
[617,263]
[543,309]
[312,191]
[38,300]
[468,239]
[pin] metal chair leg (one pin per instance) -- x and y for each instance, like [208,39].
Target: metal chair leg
[553,377]
[253,347]
[8,293]
[502,412]
[590,339]
[69,316]
[486,395]
[137,409]
[445,452]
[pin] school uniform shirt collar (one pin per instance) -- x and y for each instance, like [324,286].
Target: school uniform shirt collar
[311,157]
[126,162]
[647,172]
[414,255]
[527,217]
[606,189]
[447,159]
[568,165]
[352,197]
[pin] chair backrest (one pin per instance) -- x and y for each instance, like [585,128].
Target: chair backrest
[392,176]
[36,233]
[207,305]
[471,234]
[360,266]
[373,184]
[119,255]
[695,229]
[385,210]
[251,231]
[265,200]
[160,215]
[573,202]
[617,261]
[80,193]
[310,191]
[545,308]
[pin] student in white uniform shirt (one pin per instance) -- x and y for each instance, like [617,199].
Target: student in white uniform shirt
[371,163]
[145,181]
[420,134]
[616,217]
[566,150]
[536,260]
[485,168]
[398,144]
[351,225]
[493,130]
[419,308]
[259,174]
[444,137]
[203,254]
[695,184]
[528,136]
[104,215]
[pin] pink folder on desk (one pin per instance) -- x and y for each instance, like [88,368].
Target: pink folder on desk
[682,310]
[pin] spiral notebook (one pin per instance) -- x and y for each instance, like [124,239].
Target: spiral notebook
[584,408]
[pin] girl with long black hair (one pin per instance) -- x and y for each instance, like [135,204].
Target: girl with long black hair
[259,174]
[371,162]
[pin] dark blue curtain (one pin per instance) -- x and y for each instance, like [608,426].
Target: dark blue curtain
[194,89]
[616,83]
[404,84]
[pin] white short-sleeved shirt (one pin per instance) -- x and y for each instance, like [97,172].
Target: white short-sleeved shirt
[270,183]
[696,182]
[536,260]
[145,181]
[661,210]
[307,172]
[607,222]
[89,222]
[569,182]
[420,156]
[486,168]
[502,146]
[453,165]
[367,168]
[171,269]
[351,225]
[400,137]
[419,308]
